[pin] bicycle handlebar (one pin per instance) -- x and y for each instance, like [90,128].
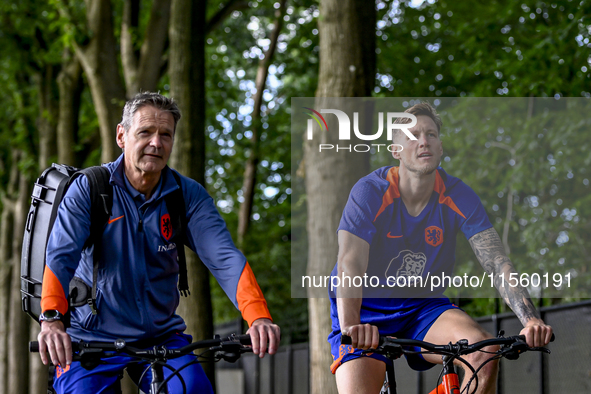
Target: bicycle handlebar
[90,355]
[235,341]
[461,347]
[511,348]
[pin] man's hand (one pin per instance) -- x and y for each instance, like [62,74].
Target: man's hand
[363,336]
[54,339]
[261,332]
[537,333]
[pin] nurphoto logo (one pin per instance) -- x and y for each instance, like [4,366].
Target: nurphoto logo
[345,129]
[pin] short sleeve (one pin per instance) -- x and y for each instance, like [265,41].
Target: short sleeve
[361,209]
[476,217]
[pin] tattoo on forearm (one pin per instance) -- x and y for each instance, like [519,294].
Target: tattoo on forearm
[490,253]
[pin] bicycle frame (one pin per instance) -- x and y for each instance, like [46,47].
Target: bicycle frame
[450,383]
[157,378]
[390,382]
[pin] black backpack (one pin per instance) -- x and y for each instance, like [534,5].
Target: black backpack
[48,192]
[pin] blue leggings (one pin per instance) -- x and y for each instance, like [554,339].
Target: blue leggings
[105,377]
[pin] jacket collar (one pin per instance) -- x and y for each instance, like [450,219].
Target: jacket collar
[168,183]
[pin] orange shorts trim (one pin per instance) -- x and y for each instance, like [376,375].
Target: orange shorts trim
[343,351]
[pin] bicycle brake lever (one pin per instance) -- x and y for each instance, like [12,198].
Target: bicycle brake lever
[229,357]
[89,352]
[513,351]
[540,349]
[229,351]
[391,351]
[89,358]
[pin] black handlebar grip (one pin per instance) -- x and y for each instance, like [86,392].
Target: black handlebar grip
[552,338]
[34,346]
[346,340]
[244,339]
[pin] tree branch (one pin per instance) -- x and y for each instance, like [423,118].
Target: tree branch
[129,59]
[224,12]
[71,28]
[503,146]
[513,150]
[153,46]
[250,172]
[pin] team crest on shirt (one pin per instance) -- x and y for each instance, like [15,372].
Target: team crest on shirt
[166,226]
[409,264]
[434,236]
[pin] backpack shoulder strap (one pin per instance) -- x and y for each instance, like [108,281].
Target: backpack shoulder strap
[175,203]
[101,202]
[101,191]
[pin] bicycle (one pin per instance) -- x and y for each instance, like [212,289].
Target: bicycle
[90,354]
[448,381]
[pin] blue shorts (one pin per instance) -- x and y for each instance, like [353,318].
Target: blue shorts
[409,323]
[105,377]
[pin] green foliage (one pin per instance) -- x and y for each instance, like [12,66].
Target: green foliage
[541,160]
[527,159]
[233,53]
[508,48]
[443,48]
[497,48]
[27,49]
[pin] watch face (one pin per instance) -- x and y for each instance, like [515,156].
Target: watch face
[50,315]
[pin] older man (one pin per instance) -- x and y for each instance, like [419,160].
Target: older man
[137,292]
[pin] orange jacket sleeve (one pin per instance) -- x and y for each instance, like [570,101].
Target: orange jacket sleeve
[249,296]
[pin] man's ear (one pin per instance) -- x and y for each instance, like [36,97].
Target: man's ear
[395,149]
[121,136]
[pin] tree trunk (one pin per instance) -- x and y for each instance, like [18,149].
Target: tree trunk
[6,237]
[18,337]
[129,59]
[70,90]
[347,69]
[187,82]
[250,173]
[142,70]
[46,124]
[99,62]
[5,281]
[154,44]
[38,372]
[347,49]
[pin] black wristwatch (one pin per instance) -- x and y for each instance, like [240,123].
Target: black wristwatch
[50,315]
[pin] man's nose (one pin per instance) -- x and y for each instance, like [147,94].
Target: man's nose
[422,139]
[156,140]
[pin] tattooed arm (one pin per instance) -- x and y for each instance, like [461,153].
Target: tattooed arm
[490,253]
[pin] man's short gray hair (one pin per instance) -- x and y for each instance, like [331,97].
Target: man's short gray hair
[156,100]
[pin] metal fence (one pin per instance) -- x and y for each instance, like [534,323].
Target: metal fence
[566,370]
[286,372]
